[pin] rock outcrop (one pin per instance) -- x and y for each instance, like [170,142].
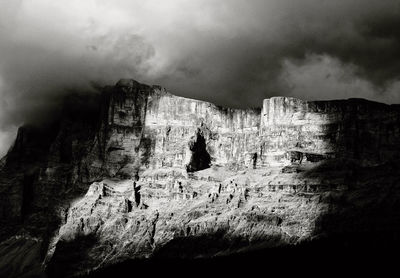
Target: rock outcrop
[137,172]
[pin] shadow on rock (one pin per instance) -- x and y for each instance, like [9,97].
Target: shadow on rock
[69,256]
[365,212]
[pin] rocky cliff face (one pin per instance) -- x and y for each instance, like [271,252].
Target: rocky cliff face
[139,173]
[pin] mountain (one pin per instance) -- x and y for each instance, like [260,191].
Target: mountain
[136,173]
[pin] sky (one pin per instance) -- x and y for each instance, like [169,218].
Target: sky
[231,52]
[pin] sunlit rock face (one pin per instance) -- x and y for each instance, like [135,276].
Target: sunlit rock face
[137,172]
[150,128]
[354,129]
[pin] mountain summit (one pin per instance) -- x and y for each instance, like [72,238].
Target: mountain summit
[145,174]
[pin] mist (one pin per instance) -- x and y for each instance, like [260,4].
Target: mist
[230,52]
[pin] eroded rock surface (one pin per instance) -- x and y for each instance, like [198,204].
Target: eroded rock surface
[144,174]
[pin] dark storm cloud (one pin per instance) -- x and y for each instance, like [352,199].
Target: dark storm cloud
[231,52]
[249,63]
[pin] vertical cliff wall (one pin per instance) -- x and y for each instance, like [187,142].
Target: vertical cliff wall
[150,128]
[297,130]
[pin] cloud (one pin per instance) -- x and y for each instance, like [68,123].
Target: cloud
[321,77]
[231,52]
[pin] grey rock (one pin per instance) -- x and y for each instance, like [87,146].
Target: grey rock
[143,169]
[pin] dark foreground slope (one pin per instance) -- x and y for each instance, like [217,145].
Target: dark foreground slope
[321,258]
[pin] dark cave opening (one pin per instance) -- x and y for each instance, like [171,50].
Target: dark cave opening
[200,159]
[136,189]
